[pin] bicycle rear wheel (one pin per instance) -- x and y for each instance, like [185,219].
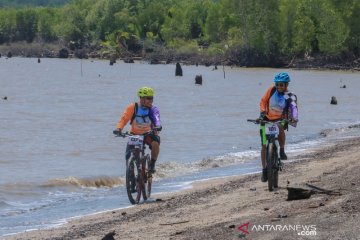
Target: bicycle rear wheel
[147,178]
[270,160]
[133,188]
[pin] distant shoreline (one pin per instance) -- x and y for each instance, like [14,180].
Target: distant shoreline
[54,51]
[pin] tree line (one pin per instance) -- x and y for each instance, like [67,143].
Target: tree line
[262,30]
[20,3]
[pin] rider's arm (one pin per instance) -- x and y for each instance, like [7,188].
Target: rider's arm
[155,116]
[293,111]
[264,102]
[126,116]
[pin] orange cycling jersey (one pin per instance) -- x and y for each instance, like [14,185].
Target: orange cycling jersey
[274,103]
[140,125]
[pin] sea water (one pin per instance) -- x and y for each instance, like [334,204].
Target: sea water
[59,158]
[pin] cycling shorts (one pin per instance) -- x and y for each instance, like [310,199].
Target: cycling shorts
[152,138]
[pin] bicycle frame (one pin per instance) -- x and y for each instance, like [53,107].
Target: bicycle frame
[273,162]
[137,174]
[140,160]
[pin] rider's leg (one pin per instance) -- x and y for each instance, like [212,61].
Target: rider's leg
[282,139]
[263,153]
[155,149]
[154,143]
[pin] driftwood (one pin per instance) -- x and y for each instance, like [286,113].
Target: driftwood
[174,223]
[302,193]
[323,191]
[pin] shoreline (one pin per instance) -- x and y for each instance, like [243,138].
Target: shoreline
[37,50]
[215,208]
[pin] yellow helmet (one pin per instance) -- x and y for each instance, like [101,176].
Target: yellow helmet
[145,92]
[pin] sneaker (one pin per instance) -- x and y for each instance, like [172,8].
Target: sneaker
[264,175]
[152,166]
[282,154]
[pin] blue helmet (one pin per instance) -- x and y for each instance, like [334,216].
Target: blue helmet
[282,77]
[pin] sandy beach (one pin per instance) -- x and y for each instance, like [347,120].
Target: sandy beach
[241,207]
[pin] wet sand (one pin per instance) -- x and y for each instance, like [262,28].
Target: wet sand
[216,209]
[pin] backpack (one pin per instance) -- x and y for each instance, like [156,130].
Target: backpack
[143,116]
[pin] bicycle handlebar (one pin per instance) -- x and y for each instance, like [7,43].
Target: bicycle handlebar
[259,121]
[125,134]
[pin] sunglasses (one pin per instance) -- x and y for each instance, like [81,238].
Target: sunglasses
[280,84]
[149,98]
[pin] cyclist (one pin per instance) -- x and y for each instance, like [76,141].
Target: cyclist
[276,104]
[143,116]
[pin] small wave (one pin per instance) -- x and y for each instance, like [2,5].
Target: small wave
[4,204]
[226,160]
[333,131]
[86,182]
[173,169]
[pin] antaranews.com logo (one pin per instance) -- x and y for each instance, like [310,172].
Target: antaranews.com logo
[302,230]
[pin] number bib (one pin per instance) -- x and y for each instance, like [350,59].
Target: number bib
[136,140]
[272,129]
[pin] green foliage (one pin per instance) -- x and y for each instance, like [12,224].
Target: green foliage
[7,25]
[26,25]
[267,28]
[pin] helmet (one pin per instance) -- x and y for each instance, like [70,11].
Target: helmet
[282,77]
[145,92]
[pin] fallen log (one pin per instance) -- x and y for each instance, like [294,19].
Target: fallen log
[297,193]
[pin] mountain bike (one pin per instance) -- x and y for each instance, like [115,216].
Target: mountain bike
[138,178]
[272,156]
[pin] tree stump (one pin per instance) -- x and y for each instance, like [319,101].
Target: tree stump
[333,100]
[198,80]
[178,70]
[63,53]
[298,193]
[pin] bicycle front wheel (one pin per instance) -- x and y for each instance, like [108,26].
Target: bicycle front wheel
[270,160]
[133,188]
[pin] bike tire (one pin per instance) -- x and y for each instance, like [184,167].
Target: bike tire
[270,156]
[276,178]
[148,178]
[143,178]
[132,177]
[276,170]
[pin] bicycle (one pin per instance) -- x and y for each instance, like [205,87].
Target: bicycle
[138,178]
[273,161]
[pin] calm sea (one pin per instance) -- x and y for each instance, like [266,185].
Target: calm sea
[59,159]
